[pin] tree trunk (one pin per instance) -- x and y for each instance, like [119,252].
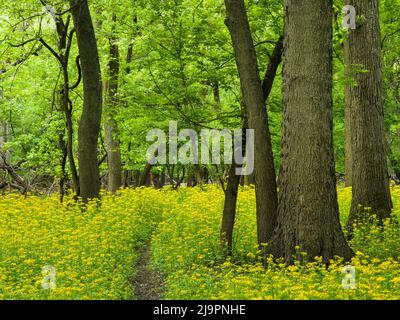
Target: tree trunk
[348,159]
[64,47]
[246,60]
[145,178]
[308,214]
[199,174]
[4,136]
[89,126]
[229,214]
[370,179]
[270,73]
[348,154]
[110,125]
[63,162]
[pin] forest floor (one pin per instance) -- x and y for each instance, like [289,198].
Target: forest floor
[107,254]
[148,282]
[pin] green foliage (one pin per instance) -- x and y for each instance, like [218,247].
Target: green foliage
[181,53]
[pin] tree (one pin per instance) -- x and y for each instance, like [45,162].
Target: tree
[253,96]
[89,126]
[370,181]
[231,192]
[65,37]
[308,215]
[110,125]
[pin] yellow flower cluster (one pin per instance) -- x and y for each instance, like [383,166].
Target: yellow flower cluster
[186,248]
[90,252]
[93,250]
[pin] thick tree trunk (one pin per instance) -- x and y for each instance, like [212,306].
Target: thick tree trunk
[110,124]
[266,191]
[370,178]
[308,214]
[89,126]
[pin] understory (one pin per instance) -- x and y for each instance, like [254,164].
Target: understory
[96,251]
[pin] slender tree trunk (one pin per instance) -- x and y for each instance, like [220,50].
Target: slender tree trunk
[229,214]
[145,177]
[308,214]
[246,60]
[65,100]
[4,137]
[89,126]
[198,172]
[110,125]
[370,180]
[270,73]
[395,166]
[63,162]
[348,153]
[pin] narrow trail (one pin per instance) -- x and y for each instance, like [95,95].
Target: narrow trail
[148,283]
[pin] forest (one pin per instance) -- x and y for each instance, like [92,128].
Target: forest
[200,150]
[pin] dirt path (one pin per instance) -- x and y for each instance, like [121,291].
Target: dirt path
[148,283]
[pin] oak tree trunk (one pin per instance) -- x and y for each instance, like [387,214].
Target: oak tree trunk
[110,123]
[370,180]
[253,96]
[308,214]
[89,126]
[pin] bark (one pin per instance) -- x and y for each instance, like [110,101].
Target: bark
[145,178]
[308,214]
[17,181]
[216,92]
[270,73]
[199,174]
[229,214]
[348,159]
[63,162]
[4,136]
[65,102]
[110,125]
[249,180]
[246,60]
[231,192]
[370,180]
[89,126]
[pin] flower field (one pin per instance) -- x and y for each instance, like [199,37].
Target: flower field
[94,251]
[186,249]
